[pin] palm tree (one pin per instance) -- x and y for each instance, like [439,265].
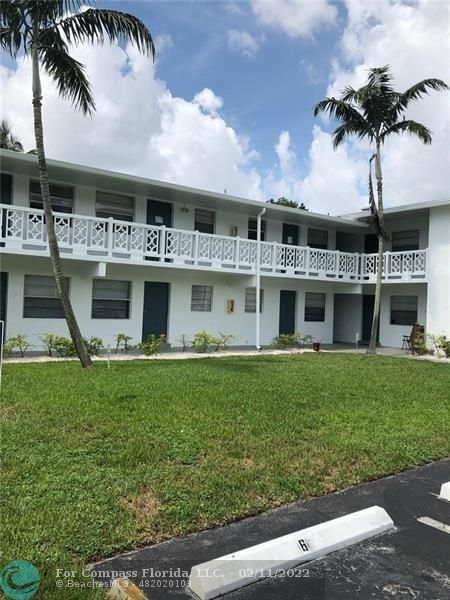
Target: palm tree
[374,112]
[45,30]
[7,139]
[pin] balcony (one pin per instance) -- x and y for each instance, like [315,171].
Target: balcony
[23,231]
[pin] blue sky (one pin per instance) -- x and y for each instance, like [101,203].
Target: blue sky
[262,94]
[228,103]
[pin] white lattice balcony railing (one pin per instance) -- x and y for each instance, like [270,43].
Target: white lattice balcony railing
[23,228]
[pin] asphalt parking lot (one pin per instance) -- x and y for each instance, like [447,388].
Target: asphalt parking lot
[410,562]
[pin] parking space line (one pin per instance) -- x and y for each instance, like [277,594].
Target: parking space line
[436,524]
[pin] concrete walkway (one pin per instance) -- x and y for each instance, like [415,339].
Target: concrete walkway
[410,563]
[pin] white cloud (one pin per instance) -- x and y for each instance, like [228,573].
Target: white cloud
[296,18]
[413,39]
[312,75]
[208,101]
[243,43]
[140,127]
[286,155]
[163,42]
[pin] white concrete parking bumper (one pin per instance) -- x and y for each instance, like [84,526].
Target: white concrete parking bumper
[233,571]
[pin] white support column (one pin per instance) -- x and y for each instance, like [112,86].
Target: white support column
[258,278]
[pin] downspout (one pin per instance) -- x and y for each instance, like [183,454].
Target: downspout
[258,278]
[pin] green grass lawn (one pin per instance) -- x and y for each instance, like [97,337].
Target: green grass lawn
[97,462]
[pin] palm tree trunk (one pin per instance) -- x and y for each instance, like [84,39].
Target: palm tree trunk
[376,308]
[55,258]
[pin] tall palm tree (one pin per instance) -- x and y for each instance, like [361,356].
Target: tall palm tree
[374,112]
[44,30]
[8,141]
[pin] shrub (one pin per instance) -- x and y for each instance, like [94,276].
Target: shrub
[18,342]
[420,345]
[222,341]
[64,347]
[184,342]
[123,341]
[285,340]
[49,341]
[441,345]
[94,345]
[152,345]
[203,341]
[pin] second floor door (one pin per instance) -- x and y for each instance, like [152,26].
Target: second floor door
[290,234]
[159,213]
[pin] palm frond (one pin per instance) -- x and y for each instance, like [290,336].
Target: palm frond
[416,91]
[67,73]
[8,141]
[11,28]
[94,25]
[408,126]
[352,121]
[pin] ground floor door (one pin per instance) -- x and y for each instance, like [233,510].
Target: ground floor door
[3,299]
[288,303]
[156,308]
[367,317]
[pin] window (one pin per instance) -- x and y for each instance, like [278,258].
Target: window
[110,299]
[318,238]
[314,307]
[61,197]
[405,240]
[403,310]
[201,298]
[204,220]
[250,300]
[114,206]
[253,229]
[41,298]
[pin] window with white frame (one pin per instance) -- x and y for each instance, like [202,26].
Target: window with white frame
[111,299]
[250,300]
[201,298]
[115,206]
[315,306]
[405,240]
[41,298]
[204,220]
[318,238]
[404,310]
[61,197]
[253,229]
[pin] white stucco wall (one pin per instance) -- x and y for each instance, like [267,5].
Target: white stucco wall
[438,272]
[391,335]
[181,319]
[347,317]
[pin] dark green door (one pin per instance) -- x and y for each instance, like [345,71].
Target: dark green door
[156,308]
[288,302]
[367,317]
[290,234]
[371,243]
[3,300]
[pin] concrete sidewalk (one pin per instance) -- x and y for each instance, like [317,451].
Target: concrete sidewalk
[412,562]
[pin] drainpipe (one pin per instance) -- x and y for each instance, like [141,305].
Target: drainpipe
[258,278]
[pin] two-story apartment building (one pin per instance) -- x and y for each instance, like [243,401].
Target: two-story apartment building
[144,256]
